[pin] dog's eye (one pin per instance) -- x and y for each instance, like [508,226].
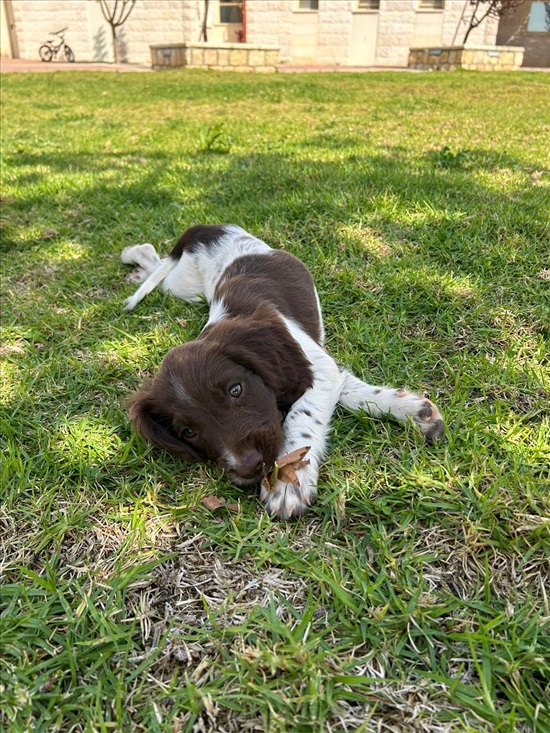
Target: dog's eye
[188,433]
[235,390]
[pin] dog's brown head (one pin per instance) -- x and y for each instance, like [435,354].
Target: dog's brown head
[224,397]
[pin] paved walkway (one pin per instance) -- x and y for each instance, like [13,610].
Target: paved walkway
[10,65]
[290,69]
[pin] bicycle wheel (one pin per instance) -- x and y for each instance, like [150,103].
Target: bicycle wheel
[69,55]
[45,53]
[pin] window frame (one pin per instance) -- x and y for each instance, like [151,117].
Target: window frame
[229,4]
[358,9]
[428,6]
[536,32]
[298,9]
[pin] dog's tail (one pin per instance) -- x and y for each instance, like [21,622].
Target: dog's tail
[156,277]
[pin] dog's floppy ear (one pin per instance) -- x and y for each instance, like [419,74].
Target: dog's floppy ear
[157,428]
[266,347]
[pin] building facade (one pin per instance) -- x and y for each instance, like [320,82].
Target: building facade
[308,32]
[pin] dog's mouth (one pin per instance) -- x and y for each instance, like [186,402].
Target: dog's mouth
[244,483]
[249,466]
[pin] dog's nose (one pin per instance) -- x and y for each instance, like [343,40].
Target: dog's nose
[250,465]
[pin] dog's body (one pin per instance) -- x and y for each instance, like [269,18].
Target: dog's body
[257,383]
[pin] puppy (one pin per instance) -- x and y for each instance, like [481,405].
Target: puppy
[257,383]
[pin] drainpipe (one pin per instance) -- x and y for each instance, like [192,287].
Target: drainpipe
[243,14]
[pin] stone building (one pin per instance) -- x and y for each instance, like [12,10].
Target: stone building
[306,32]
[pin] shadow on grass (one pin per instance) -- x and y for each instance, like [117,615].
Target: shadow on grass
[410,255]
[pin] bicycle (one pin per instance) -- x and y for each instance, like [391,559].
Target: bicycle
[50,50]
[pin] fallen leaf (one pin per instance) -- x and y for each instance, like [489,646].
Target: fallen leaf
[216,502]
[293,457]
[285,469]
[212,502]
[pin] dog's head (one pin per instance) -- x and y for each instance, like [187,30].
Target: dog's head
[224,397]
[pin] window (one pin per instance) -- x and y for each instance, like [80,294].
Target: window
[431,4]
[368,4]
[308,4]
[539,18]
[230,12]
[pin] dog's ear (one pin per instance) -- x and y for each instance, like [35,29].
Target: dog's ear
[267,348]
[156,428]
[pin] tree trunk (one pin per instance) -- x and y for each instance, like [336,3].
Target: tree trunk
[473,23]
[470,29]
[115,44]
[204,32]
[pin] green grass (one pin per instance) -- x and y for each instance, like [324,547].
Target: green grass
[414,596]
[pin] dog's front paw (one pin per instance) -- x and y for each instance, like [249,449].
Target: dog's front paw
[140,254]
[430,421]
[288,500]
[137,276]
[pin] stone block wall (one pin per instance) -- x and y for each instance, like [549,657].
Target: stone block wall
[221,56]
[401,24]
[475,58]
[334,32]
[396,24]
[35,21]
[456,23]
[89,35]
[324,36]
[270,22]
[156,21]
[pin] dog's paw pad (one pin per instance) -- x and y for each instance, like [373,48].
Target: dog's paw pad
[138,275]
[288,500]
[430,421]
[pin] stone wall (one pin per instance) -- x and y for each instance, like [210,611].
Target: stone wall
[157,21]
[334,33]
[89,35]
[270,22]
[221,56]
[456,21]
[35,21]
[325,36]
[396,24]
[475,58]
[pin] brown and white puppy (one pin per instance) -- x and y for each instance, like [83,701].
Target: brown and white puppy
[257,383]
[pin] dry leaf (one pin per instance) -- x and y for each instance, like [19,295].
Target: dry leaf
[293,457]
[212,502]
[285,468]
[216,502]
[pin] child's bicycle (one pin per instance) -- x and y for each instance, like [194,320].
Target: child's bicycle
[51,48]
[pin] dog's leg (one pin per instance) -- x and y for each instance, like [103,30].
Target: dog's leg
[397,403]
[146,259]
[307,424]
[181,275]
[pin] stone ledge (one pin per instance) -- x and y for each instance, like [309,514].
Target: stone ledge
[238,46]
[201,55]
[471,57]
[467,47]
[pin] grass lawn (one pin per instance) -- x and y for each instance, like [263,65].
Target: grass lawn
[415,595]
